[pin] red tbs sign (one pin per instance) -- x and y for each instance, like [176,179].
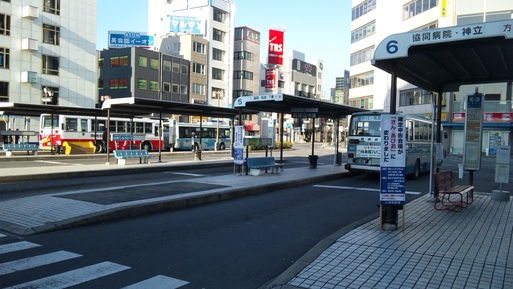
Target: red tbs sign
[275,47]
[270,80]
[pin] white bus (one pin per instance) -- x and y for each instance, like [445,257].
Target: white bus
[364,143]
[181,136]
[75,129]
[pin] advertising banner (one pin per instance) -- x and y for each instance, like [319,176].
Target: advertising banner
[393,160]
[238,145]
[122,39]
[275,47]
[473,132]
[270,80]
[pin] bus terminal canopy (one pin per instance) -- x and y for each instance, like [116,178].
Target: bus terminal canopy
[443,59]
[121,107]
[284,103]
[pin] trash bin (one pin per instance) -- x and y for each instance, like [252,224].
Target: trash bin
[339,158]
[313,161]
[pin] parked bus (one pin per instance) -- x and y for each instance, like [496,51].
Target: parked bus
[75,129]
[364,143]
[181,136]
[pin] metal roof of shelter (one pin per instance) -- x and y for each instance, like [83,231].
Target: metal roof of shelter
[443,59]
[122,107]
[285,103]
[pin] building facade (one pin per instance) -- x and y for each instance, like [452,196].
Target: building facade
[47,54]
[214,21]
[373,20]
[142,73]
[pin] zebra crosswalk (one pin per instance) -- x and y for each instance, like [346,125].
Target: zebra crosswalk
[74,277]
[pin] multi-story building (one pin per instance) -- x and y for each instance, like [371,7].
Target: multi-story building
[373,20]
[142,73]
[340,94]
[47,53]
[246,69]
[214,21]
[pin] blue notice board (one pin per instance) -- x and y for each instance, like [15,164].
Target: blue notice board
[129,39]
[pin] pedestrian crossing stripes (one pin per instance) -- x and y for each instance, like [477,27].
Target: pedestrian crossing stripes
[70,278]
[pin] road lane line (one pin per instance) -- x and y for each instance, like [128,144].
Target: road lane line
[57,163]
[185,174]
[74,277]
[35,261]
[360,189]
[158,282]
[18,246]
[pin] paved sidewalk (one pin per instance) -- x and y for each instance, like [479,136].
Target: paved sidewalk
[434,249]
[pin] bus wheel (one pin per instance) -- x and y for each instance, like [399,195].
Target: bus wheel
[222,146]
[416,170]
[146,146]
[100,148]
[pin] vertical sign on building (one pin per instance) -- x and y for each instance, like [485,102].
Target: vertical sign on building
[275,47]
[238,145]
[473,129]
[270,80]
[393,160]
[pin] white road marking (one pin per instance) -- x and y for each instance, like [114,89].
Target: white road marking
[185,174]
[360,189]
[57,163]
[2,235]
[74,277]
[18,246]
[36,261]
[158,282]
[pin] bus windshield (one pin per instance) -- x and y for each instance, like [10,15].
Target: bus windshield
[366,125]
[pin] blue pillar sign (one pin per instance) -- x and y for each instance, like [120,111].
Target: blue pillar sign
[238,145]
[393,160]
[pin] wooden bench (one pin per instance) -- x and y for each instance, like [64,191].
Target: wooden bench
[122,155]
[451,197]
[255,165]
[29,147]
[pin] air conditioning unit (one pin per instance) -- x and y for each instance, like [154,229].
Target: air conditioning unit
[29,11]
[29,44]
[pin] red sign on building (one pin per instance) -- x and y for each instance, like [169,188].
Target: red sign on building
[275,47]
[270,80]
[487,116]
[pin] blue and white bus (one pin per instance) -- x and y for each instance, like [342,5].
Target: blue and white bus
[186,136]
[364,143]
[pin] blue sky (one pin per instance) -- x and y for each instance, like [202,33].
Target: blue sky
[319,29]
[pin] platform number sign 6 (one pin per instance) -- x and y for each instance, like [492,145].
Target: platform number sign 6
[392,47]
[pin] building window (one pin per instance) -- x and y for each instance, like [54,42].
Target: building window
[4,91]
[50,95]
[52,6]
[142,84]
[176,88]
[243,74]
[217,73]
[239,55]
[417,6]
[238,93]
[363,79]
[415,96]
[183,89]
[101,62]
[50,65]
[100,84]
[185,69]
[198,47]
[218,35]
[5,24]
[217,54]
[143,61]
[363,32]
[118,61]
[362,9]
[154,63]
[154,85]
[167,65]
[198,68]
[362,56]
[118,83]
[198,88]
[176,47]
[4,58]
[166,87]
[51,34]
[176,67]
[219,16]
